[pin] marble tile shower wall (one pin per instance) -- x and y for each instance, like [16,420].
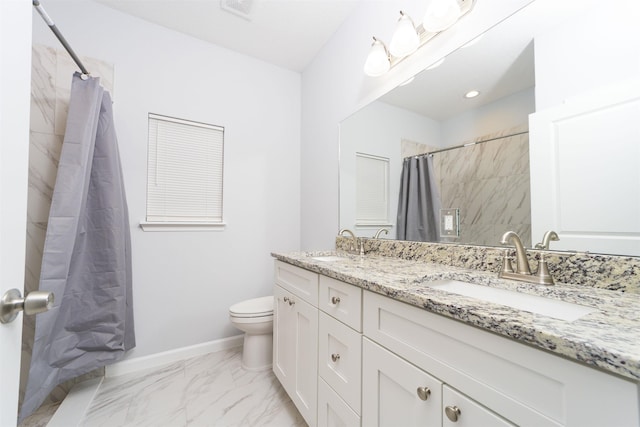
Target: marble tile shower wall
[51,74]
[612,272]
[489,183]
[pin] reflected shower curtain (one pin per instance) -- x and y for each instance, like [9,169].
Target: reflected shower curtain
[87,253]
[419,202]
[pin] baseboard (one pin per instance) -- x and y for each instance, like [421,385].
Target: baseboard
[154,360]
[72,409]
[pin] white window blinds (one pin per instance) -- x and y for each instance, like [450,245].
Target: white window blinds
[372,189]
[184,177]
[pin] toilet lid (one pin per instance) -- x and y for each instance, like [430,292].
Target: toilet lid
[253,307]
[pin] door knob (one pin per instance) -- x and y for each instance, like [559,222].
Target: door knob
[35,302]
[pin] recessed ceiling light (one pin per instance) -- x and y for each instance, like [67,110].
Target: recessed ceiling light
[471,94]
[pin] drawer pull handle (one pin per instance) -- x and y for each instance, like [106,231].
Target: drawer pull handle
[335,357]
[335,300]
[424,393]
[452,412]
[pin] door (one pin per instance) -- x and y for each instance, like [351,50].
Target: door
[305,394]
[460,411]
[283,338]
[395,392]
[571,145]
[15,74]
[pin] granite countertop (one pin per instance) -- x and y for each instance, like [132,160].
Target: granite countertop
[608,338]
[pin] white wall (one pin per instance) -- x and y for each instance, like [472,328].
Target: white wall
[599,46]
[505,113]
[378,129]
[334,87]
[184,282]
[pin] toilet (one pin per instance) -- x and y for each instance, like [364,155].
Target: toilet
[255,318]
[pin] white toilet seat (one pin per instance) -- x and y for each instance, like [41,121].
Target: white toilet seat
[252,308]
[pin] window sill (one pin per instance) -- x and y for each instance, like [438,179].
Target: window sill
[182,226]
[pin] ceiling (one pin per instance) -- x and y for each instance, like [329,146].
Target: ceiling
[286,33]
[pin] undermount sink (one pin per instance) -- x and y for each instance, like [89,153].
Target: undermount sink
[328,258]
[532,303]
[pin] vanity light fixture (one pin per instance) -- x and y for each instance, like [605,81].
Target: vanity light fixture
[378,61]
[471,94]
[407,38]
[440,15]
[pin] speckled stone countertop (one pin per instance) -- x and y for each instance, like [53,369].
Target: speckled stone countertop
[608,338]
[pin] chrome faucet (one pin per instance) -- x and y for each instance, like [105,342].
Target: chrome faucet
[522,263]
[523,272]
[379,232]
[354,239]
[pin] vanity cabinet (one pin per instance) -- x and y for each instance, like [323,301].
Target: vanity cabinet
[295,336]
[496,378]
[349,357]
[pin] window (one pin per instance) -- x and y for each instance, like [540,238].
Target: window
[184,175]
[372,190]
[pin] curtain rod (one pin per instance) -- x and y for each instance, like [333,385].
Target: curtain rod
[58,34]
[431,153]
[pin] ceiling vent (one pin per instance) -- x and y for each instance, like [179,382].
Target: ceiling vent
[241,8]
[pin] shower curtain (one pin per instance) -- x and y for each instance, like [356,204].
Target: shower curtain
[87,253]
[419,202]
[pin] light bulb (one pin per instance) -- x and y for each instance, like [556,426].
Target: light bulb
[405,40]
[440,15]
[377,62]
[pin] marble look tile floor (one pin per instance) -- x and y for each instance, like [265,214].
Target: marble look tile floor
[210,390]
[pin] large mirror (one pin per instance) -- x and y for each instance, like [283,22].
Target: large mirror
[479,159]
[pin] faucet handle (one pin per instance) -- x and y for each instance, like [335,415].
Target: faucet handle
[544,276]
[506,263]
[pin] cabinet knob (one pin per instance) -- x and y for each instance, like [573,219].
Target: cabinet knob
[424,393]
[291,301]
[452,412]
[335,357]
[335,300]
[285,299]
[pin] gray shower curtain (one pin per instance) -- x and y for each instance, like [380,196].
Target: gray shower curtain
[87,253]
[419,202]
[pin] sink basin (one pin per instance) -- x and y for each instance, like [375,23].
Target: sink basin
[532,303]
[328,258]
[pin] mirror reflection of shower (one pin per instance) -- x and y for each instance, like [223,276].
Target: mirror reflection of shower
[483,187]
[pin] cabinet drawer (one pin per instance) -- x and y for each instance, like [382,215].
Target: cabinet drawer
[300,282]
[339,359]
[464,412]
[342,301]
[332,410]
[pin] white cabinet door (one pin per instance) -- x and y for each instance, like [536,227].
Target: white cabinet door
[295,351]
[395,392]
[283,338]
[460,411]
[332,410]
